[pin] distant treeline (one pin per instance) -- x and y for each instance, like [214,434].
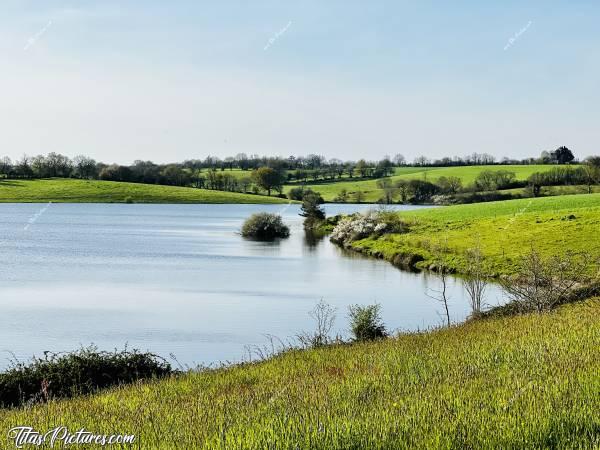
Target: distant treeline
[211,172]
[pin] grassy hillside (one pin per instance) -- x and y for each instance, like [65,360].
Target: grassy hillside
[468,173]
[329,190]
[85,191]
[505,230]
[520,382]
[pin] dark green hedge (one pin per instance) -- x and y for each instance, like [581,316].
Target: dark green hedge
[81,372]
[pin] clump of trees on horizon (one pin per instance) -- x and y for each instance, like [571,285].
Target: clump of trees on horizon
[265,174]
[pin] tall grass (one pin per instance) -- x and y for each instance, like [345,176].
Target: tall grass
[530,381]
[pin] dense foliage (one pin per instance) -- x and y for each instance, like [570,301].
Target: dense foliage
[311,210]
[81,372]
[265,226]
[366,323]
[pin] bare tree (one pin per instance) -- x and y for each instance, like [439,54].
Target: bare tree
[543,283]
[441,269]
[399,159]
[476,282]
[324,316]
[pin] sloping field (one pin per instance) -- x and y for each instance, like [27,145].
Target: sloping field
[68,190]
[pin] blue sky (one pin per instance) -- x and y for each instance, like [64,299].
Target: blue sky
[173,80]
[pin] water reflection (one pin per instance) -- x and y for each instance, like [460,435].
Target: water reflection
[179,279]
[312,239]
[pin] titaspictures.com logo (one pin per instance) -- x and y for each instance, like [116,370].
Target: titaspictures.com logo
[61,437]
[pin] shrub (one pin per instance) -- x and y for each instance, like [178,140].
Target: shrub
[542,283]
[265,226]
[81,372]
[422,191]
[300,193]
[324,318]
[360,226]
[296,193]
[366,323]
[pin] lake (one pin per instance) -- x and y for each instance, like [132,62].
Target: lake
[178,279]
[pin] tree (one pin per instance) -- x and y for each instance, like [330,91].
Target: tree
[245,183]
[315,161]
[486,181]
[422,191]
[174,175]
[421,161]
[385,184]
[543,283]
[449,185]
[58,165]
[311,209]
[399,160]
[23,167]
[545,157]
[475,283]
[5,166]
[268,178]
[361,167]
[591,171]
[440,267]
[384,168]
[85,167]
[403,187]
[350,169]
[562,155]
[534,183]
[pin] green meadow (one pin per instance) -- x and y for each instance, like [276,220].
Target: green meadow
[522,381]
[330,189]
[84,191]
[67,190]
[504,230]
[530,381]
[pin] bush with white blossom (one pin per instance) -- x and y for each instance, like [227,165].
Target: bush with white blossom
[360,226]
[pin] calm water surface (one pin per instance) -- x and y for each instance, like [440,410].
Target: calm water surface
[179,279]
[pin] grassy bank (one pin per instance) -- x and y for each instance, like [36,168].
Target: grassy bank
[505,231]
[60,190]
[528,381]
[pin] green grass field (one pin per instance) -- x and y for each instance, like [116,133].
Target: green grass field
[530,381]
[527,381]
[329,190]
[237,173]
[505,230]
[84,191]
